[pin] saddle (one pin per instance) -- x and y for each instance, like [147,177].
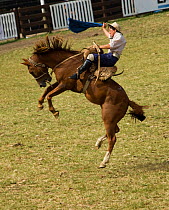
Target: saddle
[103,73]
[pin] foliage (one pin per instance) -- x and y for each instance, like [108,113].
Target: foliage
[49,164]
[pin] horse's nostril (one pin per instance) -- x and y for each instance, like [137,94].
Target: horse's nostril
[42,84]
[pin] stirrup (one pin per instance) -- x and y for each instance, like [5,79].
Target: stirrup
[74,76]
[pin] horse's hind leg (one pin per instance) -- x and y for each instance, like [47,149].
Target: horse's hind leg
[42,98]
[111,116]
[103,138]
[111,141]
[100,141]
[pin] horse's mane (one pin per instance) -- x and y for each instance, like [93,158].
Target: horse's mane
[55,43]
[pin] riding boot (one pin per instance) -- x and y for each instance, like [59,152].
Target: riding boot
[86,65]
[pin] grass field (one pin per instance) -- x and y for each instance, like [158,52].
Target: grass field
[53,164]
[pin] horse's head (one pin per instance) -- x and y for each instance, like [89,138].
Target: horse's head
[39,71]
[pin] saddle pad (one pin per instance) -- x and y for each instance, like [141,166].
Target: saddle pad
[105,72]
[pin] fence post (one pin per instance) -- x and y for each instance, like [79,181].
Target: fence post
[15,10]
[42,2]
[50,19]
[22,30]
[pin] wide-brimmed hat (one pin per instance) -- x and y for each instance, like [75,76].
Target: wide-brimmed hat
[115,25]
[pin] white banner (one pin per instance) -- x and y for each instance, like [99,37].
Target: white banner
[143,6]
[163,4]
[133,7]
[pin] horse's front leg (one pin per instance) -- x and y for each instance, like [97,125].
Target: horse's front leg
[42,98]
[56,91]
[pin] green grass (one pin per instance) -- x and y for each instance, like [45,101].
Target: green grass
[53,164]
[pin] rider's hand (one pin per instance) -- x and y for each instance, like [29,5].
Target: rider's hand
[104,25]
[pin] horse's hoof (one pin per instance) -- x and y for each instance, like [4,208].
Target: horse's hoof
[98,145]
[56,114]
[102,165]
[40,107]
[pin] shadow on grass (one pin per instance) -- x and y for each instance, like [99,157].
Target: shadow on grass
[163,166]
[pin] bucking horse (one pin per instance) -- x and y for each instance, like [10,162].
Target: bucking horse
[55,53]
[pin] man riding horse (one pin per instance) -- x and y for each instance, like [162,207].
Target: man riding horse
[115,48]
[109,95]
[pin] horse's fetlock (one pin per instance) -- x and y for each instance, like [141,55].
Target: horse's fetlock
[52,110]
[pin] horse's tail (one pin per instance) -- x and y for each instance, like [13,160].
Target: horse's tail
[137,111]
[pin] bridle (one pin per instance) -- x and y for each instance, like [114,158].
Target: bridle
[39,65]
[45,66]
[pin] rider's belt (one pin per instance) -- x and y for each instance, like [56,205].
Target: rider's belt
[116,55]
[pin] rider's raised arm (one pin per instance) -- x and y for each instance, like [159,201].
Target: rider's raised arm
[104,30]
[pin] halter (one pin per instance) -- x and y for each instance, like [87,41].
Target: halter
[38,65]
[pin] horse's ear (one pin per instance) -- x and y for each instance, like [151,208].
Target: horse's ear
[26,62]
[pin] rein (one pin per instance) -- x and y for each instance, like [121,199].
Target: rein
[65,61]
[40,76]
[98,52]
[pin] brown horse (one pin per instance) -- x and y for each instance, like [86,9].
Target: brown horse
[111,97]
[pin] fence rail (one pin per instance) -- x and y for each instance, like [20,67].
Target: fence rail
[106,10]
[8,27]
[79,10]
[34,20]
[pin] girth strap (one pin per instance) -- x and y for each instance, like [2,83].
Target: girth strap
[86,85]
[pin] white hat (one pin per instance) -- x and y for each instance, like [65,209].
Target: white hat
[115,25]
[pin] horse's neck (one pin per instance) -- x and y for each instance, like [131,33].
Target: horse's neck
[56,57]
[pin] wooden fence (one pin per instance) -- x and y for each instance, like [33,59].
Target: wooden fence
[45,18]
[104,10]
[33,20]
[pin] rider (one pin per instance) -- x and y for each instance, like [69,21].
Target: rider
[115,47]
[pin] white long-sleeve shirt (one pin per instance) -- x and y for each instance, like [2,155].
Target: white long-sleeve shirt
[117,43]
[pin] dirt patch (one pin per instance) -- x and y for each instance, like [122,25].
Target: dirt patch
[17,44]
[33,39]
